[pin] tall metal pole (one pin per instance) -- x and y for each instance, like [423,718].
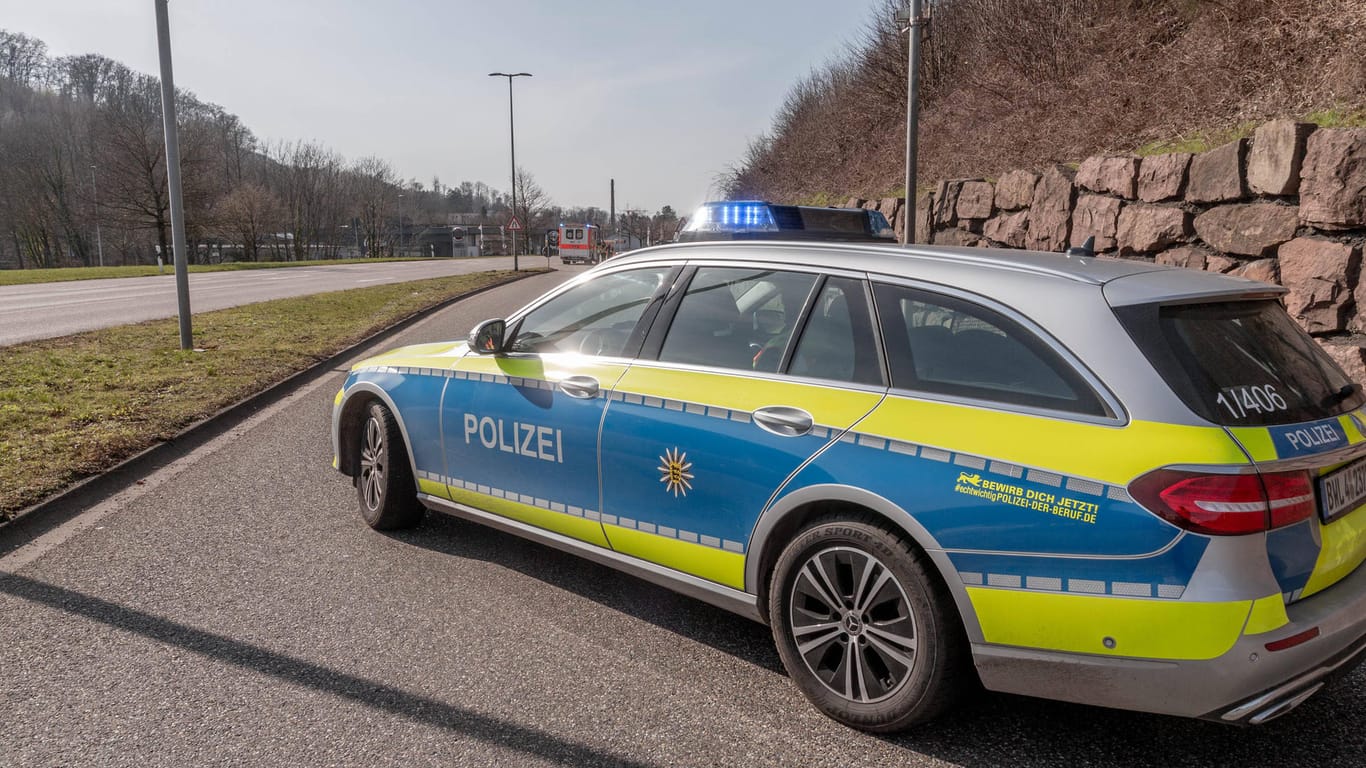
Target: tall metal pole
[99,241]
[914,19]
[512,142]
[182,278]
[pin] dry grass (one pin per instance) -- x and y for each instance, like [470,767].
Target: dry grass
[74,406]
[1022,83]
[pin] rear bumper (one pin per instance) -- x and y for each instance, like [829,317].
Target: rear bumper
[1277,701]
[1247,685]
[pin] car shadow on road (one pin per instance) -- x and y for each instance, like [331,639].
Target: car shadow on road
[681,615]
[987,729]
[370,693]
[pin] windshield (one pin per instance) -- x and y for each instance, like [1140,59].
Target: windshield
[1241,363]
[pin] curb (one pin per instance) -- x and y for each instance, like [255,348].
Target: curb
[33,521]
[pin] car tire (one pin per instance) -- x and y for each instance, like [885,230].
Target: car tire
[892,653]
[384,479]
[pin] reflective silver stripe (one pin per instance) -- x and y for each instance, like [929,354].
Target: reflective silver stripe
[971,462]
[1049,583]
[711,542]
[935,454]
[1085,486]
[1130,589]
[1086,586]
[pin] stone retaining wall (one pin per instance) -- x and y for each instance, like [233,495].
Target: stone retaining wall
[1287,206]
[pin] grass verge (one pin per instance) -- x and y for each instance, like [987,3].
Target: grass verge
[1203,141]
[66,274]
[74,406]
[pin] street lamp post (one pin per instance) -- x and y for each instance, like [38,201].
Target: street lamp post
[168,119]
[914,18]
[512,143]
[99,241]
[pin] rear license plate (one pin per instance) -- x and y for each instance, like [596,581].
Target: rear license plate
[1342,490]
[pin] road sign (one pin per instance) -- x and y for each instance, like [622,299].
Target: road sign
[514,224]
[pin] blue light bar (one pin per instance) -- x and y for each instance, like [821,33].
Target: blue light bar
[734,216]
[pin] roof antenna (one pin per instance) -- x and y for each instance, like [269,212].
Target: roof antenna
[1087,248]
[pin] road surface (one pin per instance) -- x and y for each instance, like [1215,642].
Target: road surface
[233,609]
[46,310]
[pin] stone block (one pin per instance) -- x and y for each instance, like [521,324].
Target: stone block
[1114,175]
[1216,176]
[1163,177]
[1050,211]
[975,200]
[1350,356]
[1261,270]
[1273,162]
[1222,264]
[1251,229]
[1015,190]
[1318,274]
[854,202]
[889,207]
[924,219]
[956,236]
[1333,179]
[1096,216]
[1010,229]
[1150,228]
[945,210]
[1184,256]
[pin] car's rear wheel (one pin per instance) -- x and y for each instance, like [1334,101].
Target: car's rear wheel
[384,484]
[864,628]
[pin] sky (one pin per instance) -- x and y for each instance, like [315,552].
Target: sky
[660,96]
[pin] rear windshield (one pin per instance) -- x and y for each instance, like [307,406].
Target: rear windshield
[1241,363]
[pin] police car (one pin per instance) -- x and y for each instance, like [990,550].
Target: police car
[1092,480]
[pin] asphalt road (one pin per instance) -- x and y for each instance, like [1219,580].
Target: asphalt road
[233,609]
[46,310]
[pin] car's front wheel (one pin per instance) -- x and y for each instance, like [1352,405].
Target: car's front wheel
[864,628]
[384,484]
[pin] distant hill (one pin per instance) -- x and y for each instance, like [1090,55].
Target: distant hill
[1020,83]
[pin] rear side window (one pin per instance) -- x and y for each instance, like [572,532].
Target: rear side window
[1241,363]
[948,346]
[838,342]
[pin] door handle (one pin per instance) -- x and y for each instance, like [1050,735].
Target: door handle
[580,387]
[783,420]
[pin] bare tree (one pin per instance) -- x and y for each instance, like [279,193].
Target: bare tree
[373,187]
[247,215]
[531,199]
[22,59]
[68,124]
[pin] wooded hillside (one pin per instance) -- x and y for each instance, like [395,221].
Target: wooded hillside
[83,171]
[1021,83]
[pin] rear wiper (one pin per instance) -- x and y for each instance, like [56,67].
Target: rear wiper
[1336,397]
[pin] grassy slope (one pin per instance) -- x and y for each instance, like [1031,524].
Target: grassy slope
[74,406]
[1122,76]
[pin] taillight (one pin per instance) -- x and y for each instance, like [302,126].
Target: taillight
[1226,505]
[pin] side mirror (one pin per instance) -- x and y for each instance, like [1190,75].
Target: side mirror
[487,337]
